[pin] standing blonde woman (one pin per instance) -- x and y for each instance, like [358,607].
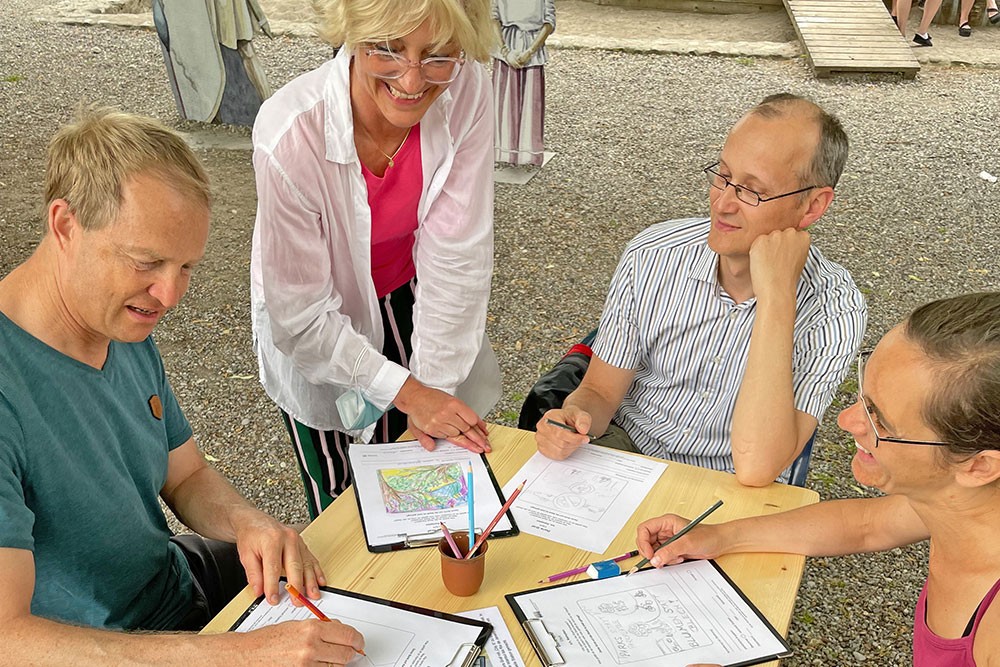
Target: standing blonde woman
[927,429]
[373,247]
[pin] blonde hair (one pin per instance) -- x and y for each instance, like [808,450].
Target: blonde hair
[468,23]
[91,159]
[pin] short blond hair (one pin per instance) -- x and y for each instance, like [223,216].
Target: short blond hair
[465,22]
[91,159]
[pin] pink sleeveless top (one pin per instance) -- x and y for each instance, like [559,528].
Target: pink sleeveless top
[393,199]
[929,650]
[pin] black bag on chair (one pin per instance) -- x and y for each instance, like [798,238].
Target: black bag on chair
[553,387]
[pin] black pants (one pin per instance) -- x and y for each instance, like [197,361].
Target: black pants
[218,576]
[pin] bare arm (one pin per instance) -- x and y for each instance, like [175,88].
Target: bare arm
[31,640]
[589,409]
[768,432]
[209,505]
[831,528]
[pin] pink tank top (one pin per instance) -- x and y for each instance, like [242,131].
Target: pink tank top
[393,199]
[929,650]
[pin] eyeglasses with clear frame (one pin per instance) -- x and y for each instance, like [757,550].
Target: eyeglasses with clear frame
[869,411]
[743,193]
[384,63]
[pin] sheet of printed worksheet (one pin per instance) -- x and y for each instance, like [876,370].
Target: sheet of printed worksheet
[394,636]
[404,490]
[500,648]
[585,500]
[675,616]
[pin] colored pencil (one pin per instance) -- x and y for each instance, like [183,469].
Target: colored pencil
[471,497]
[311,607]
[567,427]
[680,533]
[306,603]
[581,570]
[451,541]
[496,519]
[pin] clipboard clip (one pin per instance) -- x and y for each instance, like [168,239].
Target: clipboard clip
[543,642]
[465,656]
[425,539]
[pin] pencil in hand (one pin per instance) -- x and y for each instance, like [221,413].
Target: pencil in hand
[676,536]
[311,607]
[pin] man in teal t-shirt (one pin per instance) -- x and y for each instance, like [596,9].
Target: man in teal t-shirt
[92,437]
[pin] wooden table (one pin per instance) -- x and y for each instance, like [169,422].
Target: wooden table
[517,563]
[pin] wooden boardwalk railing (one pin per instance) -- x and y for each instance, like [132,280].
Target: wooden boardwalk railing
[851,36]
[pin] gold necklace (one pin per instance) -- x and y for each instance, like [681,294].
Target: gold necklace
[390,158]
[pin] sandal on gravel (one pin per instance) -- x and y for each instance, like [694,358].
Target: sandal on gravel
[920,40]
[965,30]
[993,14]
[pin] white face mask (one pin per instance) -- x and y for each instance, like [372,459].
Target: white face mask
[356,411]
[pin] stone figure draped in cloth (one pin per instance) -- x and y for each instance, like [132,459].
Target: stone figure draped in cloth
[519,78]
[214,73]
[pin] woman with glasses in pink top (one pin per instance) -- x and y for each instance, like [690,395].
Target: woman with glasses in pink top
[373,247]
[927,429]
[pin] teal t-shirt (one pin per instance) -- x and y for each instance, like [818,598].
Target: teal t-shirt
[83,456]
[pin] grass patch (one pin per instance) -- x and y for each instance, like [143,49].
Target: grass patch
[12,78]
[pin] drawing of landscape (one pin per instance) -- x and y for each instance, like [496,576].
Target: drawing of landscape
[577,492]
[420,488]
[644,624]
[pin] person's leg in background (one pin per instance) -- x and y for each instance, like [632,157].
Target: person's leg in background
[964,29]
[931,8]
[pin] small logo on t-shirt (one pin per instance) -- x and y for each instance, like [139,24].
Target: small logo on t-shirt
[156,407]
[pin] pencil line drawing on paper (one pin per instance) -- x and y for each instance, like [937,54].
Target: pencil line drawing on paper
[644,623]
[420,488]
[578,492]
[385,646]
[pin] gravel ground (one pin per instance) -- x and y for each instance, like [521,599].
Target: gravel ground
[912,221]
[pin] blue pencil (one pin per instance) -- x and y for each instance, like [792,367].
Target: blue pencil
[472,505]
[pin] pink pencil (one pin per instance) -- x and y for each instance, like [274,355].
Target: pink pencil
[451,541]
[496,519]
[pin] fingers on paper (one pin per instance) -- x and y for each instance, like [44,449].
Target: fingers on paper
[654,532]
[558,443]
[334,642]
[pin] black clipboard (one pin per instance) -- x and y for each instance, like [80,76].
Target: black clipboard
[431,538]
[546,646]
[465,654]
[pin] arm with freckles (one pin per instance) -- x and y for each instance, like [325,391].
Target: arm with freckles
[831,528]
[31,640]
[208,504]
[768,432]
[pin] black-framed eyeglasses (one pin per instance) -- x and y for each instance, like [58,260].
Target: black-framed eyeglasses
[743,193]
[384,63]
[862,359]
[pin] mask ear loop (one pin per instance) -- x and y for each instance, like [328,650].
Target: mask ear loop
[357,368]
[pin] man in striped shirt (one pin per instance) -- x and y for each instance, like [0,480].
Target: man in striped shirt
[723,339]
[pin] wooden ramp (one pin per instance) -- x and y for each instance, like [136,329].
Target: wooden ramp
[851,36]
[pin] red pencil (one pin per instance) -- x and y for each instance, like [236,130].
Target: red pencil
[451,540]
[496,519]
[306,603]
[311,607]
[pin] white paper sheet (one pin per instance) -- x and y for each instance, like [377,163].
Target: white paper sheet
[406,490]
[585,500]
[671,617]
[500,648]
[393,637]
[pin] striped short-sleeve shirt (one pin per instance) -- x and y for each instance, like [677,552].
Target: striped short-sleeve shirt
[668,318]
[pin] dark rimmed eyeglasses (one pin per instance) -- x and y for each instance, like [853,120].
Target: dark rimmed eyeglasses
[743,193]
[869,410]
[384,63]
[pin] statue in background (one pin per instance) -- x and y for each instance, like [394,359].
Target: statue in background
[519,78]
[214,73]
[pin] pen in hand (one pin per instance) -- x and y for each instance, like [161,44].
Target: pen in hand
[676,536]
[567,427]
[311,607]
